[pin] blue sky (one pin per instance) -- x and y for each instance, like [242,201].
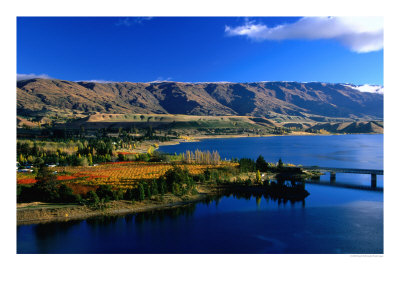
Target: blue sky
[193,49]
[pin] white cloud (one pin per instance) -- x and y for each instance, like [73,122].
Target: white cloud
[31,76]
[359,34]
[96,81]
[162,79]
[366,88]
[132,20]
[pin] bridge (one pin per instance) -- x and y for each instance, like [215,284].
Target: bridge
[345,185]
[333,172]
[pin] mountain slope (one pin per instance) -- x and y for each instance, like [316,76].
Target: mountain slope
[312,101]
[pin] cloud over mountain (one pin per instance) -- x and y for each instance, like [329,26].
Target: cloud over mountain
[359,34]
[31,76]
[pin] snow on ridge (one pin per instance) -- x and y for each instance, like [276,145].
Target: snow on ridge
[367,88]
[208,82]
[189,82]
[160,81]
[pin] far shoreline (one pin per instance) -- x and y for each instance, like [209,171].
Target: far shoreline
[203,137]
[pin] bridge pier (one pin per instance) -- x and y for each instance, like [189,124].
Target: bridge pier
[333,177]
[373,181]
[333,172]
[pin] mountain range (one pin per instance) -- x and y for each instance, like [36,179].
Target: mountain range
[314,101]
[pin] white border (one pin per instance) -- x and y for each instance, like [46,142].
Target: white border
[198,276]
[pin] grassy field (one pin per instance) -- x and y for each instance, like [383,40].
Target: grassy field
[213,125]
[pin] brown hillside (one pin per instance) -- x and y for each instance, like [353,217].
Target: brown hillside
[272,100]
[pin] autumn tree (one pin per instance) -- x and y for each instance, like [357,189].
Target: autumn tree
[258,177]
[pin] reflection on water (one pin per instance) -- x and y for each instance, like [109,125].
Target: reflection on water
[102,221]
[292,196]
[281,194]
[54,229]
[46,234]
[160,215]
[243,221]
[346,185]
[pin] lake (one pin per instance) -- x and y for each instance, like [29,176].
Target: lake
[332,219]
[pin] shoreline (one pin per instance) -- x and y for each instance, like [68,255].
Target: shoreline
[42,213]
[205,137]
[26,216]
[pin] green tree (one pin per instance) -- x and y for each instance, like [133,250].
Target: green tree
[66,195]
[176,189]
[83,161]
[148,190]
[105,193]
[179,180]
[162,185]
[38,162]
[130,194]
[207,175]
[154,187]
[280,164]
[261,164]
[247,165]
[45,187]
[141,192]
[92,198]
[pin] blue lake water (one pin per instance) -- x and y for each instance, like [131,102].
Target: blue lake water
[359,151]
[332,219]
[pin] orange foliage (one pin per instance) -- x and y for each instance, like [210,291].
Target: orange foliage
[26,181]
[82,189]
[66,177]
[121,174]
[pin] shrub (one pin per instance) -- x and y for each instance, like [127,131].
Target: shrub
[141,194]
[45,189]
[92,199]
[66,195]
[154,187]
[162,185]
[105,193]
[24,194]
[247,165]
[131,194]
[207,175]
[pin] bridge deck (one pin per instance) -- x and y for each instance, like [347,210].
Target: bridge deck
[346,185]
[345,170]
